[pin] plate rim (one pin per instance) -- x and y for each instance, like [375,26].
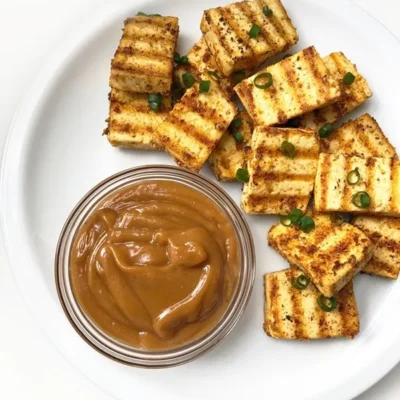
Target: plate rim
[26,110]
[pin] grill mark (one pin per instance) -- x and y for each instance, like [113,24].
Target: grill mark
[297,308]
[309,55]
[129,51]
[369,181]
[242,38]
[389,245]
[142,37]
[271,94]
[394,178]
[347,312]
[324,179]
[214,27]
[346,198]
[134,106]
[279,27]
[190,131]
[131,130]
[120,66]
[274,307]
[280,204]
[282,176]
[244,92]
[293,85]
[193,104]
[379,267]
[301,154]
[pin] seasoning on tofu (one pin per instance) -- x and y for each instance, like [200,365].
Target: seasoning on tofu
[232,150]
[330,255]
[288,97]
[385,234]
[230,31]
[290,313]
[278,184]
[351,97]
[132,121]
[359,137]
[196,124]
[379,189]
[144,60]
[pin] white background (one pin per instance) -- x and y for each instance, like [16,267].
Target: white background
[30,368]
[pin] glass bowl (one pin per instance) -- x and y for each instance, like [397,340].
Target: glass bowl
[125,353]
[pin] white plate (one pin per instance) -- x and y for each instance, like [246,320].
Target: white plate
[55,154]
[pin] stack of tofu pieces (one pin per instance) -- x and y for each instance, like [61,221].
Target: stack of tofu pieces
[142,65]
[307,93]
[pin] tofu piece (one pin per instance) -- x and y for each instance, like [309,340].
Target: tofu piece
[301,83]
[352,95]
[380,178]
[331,255]
[385,234]
[143,62]
[196,124]
[278,184]
[361,137]
[230,155]
[290,313]
[131,122]
[226,30]
[201,61]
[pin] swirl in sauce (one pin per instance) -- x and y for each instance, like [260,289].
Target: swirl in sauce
[155,265]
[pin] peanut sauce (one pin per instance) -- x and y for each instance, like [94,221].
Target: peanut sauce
[155,265]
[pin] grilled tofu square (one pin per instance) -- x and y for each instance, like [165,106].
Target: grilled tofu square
[279,183]
[300,84]
[290,313]
[143,62]
[361,137]
[352,95]
[196,124]
[331,255]
[226,30]
[131,122]
[379,178]
[230,155]
[385,234]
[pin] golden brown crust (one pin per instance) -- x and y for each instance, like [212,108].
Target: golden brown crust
[143,62]
[301,83]
[131,122]
[226,32]
[379,177]
[351,97]
[290,313]
[195,125]
[278,184]
[330,255]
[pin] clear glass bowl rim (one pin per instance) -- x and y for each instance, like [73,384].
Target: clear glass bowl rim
[125,353]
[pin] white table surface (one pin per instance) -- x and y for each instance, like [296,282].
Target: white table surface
[30,367]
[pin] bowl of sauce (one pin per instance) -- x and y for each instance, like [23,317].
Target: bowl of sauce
[155,266]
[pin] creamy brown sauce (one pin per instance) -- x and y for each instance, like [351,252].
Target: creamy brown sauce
[155,265]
